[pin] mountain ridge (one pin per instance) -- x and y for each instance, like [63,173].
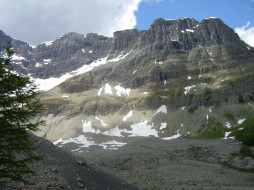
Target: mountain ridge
[77,49]
[177,64]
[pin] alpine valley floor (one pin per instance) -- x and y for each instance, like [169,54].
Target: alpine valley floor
[153,163]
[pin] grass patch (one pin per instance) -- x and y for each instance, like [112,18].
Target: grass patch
[57,101]
[245,151]
[144,113]
[180,92]
[192,109]
[207,94]
[245,135]
[213,130]
[230,117]
[191,96]
[140,99]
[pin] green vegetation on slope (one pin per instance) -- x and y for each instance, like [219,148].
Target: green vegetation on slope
[245,132]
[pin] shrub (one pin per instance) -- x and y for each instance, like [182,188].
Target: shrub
[240,98]
[246,135]
[192,109]
[213,130]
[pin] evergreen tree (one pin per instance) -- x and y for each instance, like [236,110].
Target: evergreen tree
[18,104]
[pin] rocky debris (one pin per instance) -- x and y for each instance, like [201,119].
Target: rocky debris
[61,170]
[152,163]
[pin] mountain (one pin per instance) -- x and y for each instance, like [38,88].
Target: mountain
[178,78]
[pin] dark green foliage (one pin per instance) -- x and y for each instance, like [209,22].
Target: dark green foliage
[251,98]
[213,130]
[230,117]
[232,83]
[180,92]
[207,91]
[240,98]
[192,109]
[207,94]
[245,151]
[245,135]
[191,96]
[18,104]
[217,105]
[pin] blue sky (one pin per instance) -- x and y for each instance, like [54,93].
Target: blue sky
[235,13]
[37,21]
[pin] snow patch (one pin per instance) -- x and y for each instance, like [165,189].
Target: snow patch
[113,132]
[211,59]
[162,109]
[183,108]
[227,134]
[81,139]
[48,43]
[100,90]
[121,56]
[38,65]
[47,84]
[189,77]
[128,116]
[240,121]
[112,145]
[16,57]
[160,62]
[121,90]
[46,61]
[87,127]
[228,125]
[65,96]
[188,88]
[102,122]
[32,46]
[108,89]
[189,30]
[211,18]
[142,129]
[85,143]
[163,126]
[173,137]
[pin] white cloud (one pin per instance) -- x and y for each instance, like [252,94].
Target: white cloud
[44,20]
[246,33]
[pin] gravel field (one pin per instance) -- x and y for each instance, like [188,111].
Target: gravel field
[147,163]
[60,170]
[152,163]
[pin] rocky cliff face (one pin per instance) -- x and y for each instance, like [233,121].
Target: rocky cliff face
[180,77]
